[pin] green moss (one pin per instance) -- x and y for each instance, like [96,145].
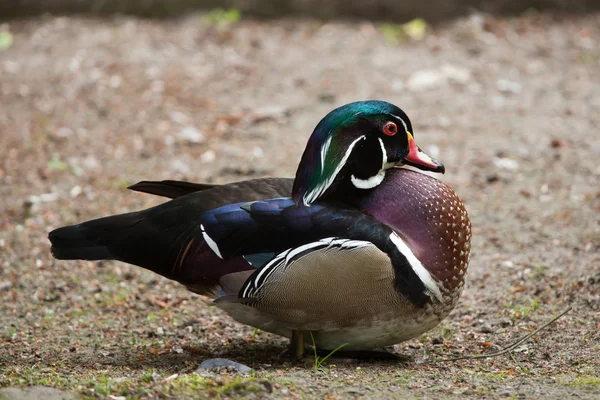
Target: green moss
[219,16]
[583,380]
[104,384]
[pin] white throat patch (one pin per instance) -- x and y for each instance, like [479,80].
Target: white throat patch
[376,179]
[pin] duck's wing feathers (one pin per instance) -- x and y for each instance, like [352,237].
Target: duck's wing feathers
[277,232]
[327,284]
[167,238]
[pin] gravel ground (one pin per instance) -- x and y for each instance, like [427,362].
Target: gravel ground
[89,106]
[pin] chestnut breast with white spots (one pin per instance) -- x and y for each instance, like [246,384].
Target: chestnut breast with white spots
[431,219]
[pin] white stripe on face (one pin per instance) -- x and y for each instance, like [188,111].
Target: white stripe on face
[402,122]
[314,194]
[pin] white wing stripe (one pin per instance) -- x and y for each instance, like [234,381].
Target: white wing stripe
[305,247]
[211,243]
[285,258]
[430,285]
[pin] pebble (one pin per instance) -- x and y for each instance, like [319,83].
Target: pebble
[75,191]
[208,156]
[506,163]
[486,328]
[43,198]
[397,86]
[213,363]
[5,284]
[506,86]
[455,73]
[504,322]
[427,79]
[437,340]
[192,135]
[181,167]
[423,80]
[179,117]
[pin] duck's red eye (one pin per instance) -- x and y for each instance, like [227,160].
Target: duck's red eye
[390,129]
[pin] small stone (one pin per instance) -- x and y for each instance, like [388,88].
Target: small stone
[181,167]
[179,117]
[170,378]
[437,340]
[507,86]
[492,178]
[506,163]
[269,113]
[63,133]
[208,156]
[115,81]
[455,73]
[424,80]
[555,143]
[327,97]
[486,328]
[192,135]
[169,140]
[91,162]
[214,363]
[5,284]
[257,152]
[505,322]
[397,86]
[12,67]
[75,191]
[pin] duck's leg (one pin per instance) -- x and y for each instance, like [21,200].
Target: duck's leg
[297,345]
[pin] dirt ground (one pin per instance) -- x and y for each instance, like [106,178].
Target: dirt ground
[89,106]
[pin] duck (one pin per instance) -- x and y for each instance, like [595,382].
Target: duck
[363,249]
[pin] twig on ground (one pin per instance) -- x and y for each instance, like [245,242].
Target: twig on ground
[512,356]
[510,347]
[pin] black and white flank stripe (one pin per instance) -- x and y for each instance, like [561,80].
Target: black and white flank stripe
[283,260]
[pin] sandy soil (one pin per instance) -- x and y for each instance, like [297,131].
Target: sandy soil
[511,106]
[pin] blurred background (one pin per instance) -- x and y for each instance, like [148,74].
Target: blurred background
[97,95]
[393,10]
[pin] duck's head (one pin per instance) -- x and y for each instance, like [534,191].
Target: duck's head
[354,145]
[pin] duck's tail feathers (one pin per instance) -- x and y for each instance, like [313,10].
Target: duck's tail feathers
[170,189]
[92,240]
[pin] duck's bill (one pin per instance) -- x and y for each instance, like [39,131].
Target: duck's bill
[421,160]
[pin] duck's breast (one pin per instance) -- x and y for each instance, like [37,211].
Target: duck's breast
[431,219]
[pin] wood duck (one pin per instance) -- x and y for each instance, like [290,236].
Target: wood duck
[357,250]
